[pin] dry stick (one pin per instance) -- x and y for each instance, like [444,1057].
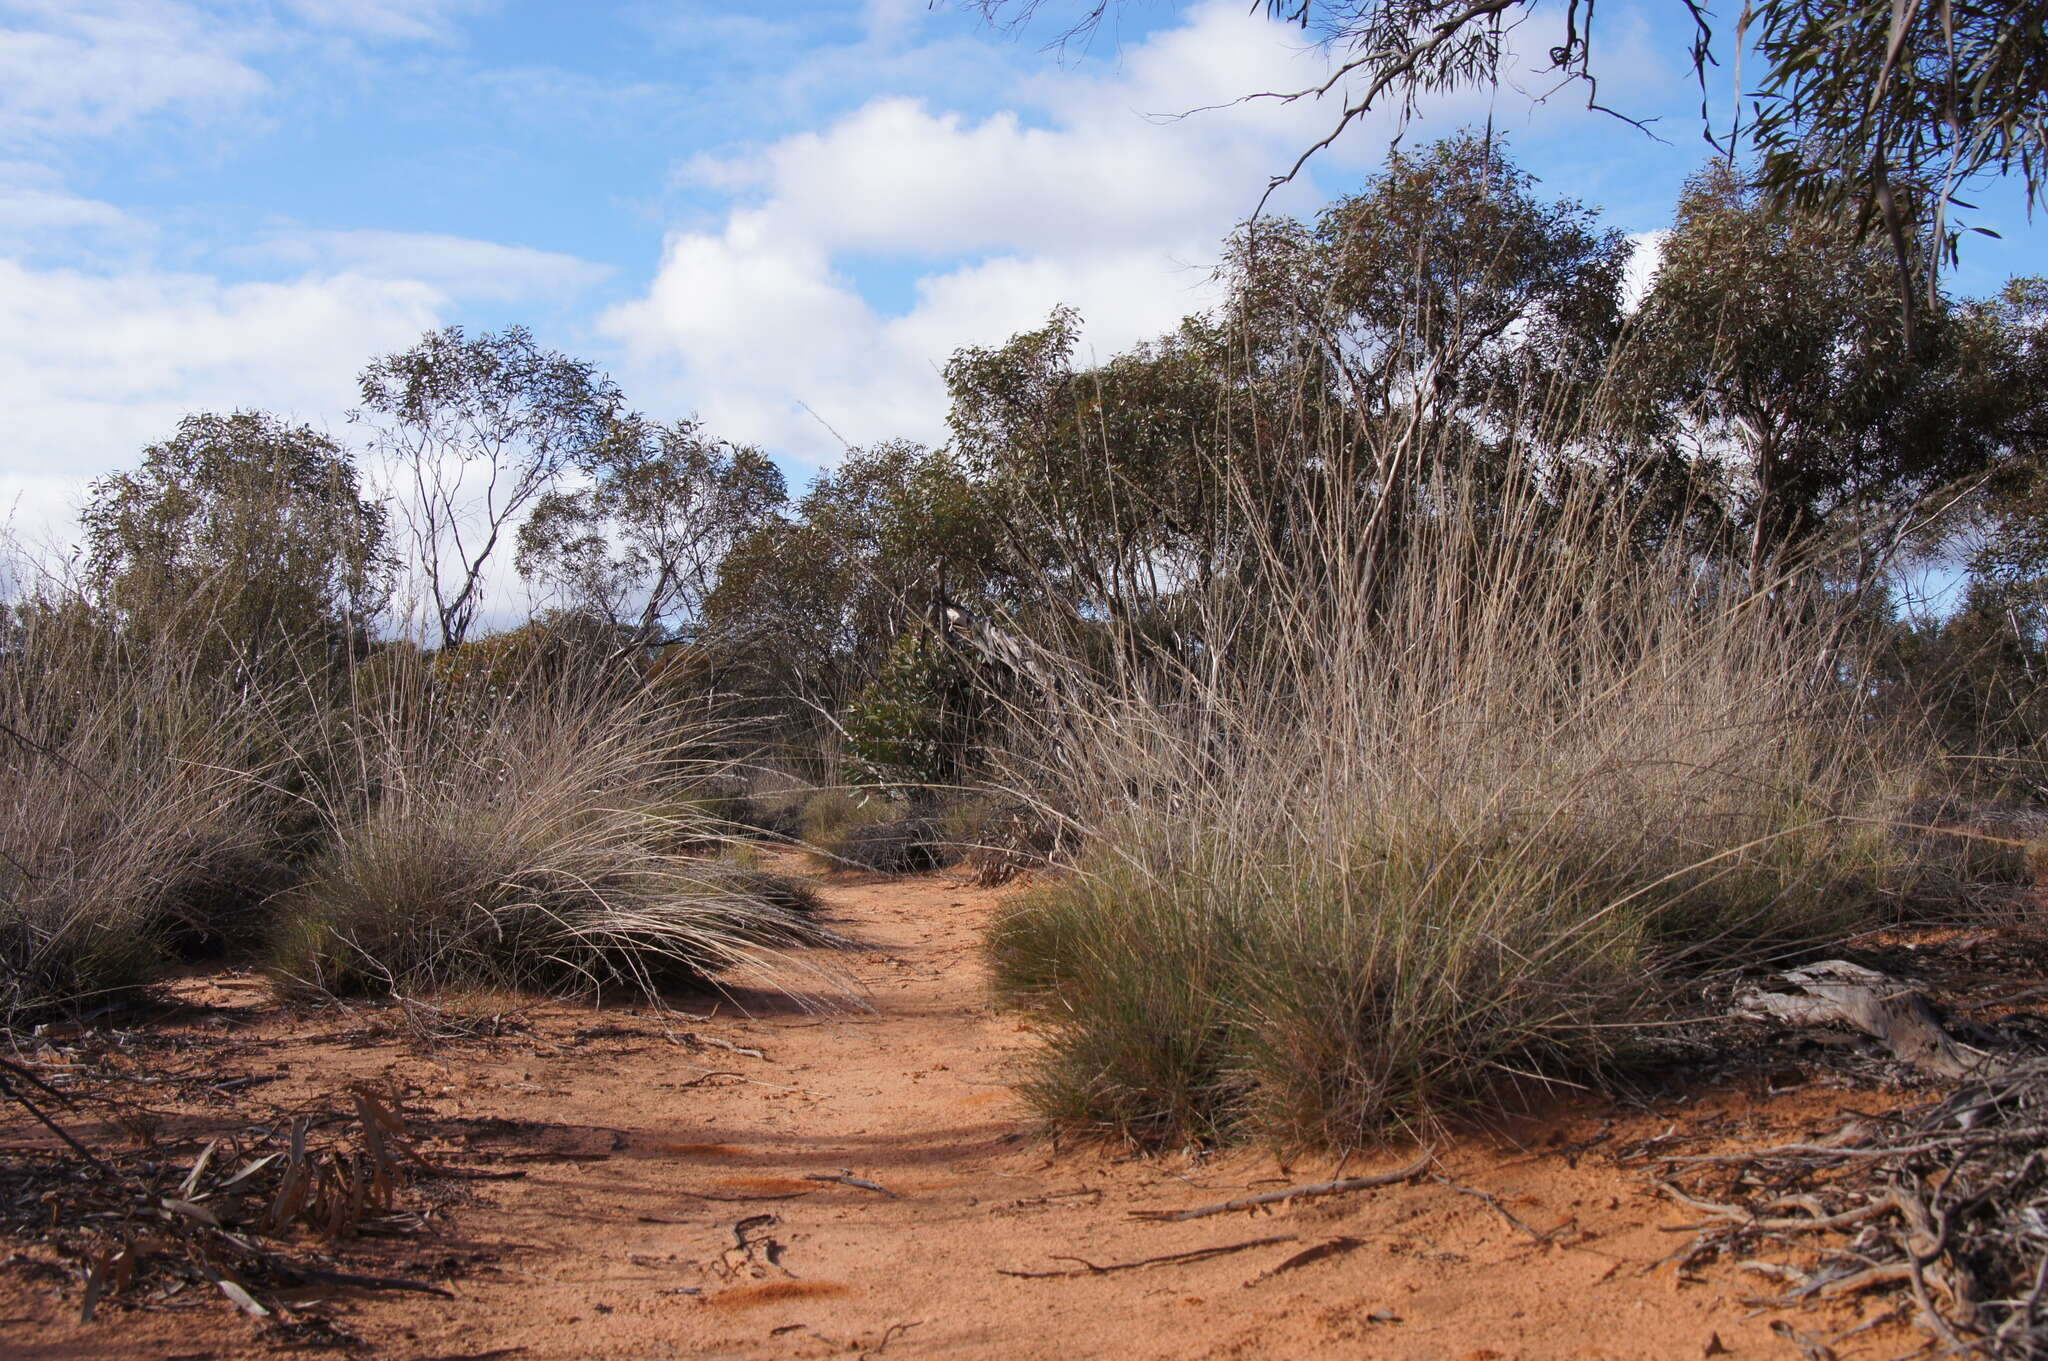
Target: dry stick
[1811,1150]
[1321,1188]
[8,1090]
[1493,1204]
[845,1177]
[1737,1215]
[369,1282]
[716,1042]
[1329,1247]
[766,1195]
[1088,1268]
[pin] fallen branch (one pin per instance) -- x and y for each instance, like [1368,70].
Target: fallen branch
[1084,1267]
[1320,1188]
[845,1177]
[694,1040]
[1493,1203]
[324,1277]
[1736,1214]
[1838,992]
[21,1099]
[763,1195]
[1329,1247]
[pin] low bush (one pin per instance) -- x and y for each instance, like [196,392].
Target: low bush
[143,810]
[998,838]
[903,845]
[538,847]
[1427,840]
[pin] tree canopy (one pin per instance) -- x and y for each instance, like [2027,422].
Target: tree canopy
[1882,112]
[252,531]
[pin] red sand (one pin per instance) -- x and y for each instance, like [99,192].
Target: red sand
[620,1241]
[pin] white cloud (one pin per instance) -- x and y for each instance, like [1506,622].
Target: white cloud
[89,67]
[398,19]
[1646,252]
[1097,201]
[39,216]
[99,365]
[459,266]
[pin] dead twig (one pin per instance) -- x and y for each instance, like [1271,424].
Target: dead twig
[1493,1203]
[1320,1188]
[735,1199]
[1329,1247]
[1083,1267]
[844,1177]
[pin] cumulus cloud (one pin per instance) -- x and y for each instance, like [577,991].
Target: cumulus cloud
[1088,191]
[101,365]
[40,216]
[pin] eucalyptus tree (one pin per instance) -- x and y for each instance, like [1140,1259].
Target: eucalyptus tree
[1768,342]
[639,540]
[249,536]
[1882,114]
[478,429]
[1445,287]
[813,598]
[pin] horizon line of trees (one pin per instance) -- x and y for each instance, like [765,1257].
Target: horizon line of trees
[1761,408]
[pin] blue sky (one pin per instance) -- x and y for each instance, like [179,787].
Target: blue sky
[753,212]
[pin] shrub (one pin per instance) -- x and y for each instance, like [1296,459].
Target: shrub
[920,723]
[142,807]
[999,837]
[1398,849]
[536,846]
[908,845]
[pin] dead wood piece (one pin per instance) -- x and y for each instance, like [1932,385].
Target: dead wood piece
[1493,1203]
[1329,1247]
[1837,991]
[845,1177]
[369,1282]
[695,1041]
[1736,1214]
[1084,1267]
[1320,1188]
[735,1199]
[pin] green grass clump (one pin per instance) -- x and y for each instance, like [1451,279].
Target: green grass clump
[1216,983]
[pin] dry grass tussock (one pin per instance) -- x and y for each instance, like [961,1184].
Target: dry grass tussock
[141,809]
[534,845]
[1369,852]
[368,828]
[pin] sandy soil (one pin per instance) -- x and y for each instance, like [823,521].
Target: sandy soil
[667,1208]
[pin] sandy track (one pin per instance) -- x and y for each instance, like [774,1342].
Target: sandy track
[646,1153]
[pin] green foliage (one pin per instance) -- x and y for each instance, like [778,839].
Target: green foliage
[1877,114]
[541,654]
[920,722]
[1777,337]
[1446,284]
[808,605]
[642,541]
[247,538]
